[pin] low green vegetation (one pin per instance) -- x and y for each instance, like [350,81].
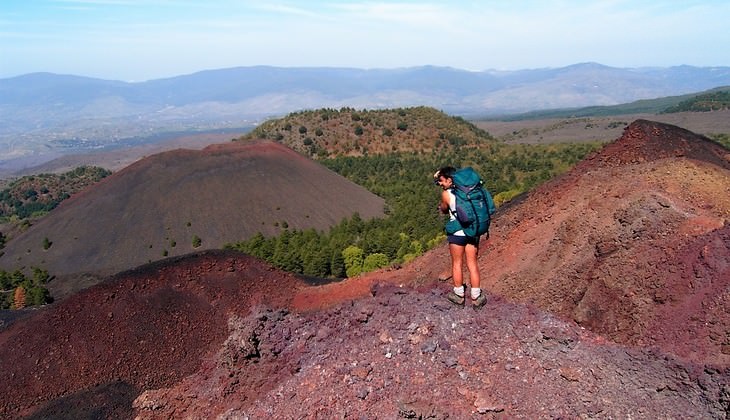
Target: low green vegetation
[18,291]
[329,133]
[711,101]
[412,224]
[33,196]
[723,139]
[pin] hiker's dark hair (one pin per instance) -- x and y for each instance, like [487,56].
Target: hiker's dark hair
[446,172]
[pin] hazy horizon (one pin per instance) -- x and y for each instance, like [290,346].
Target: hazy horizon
[134,40]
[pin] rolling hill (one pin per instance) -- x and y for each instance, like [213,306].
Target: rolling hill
[715,124]
[349,132]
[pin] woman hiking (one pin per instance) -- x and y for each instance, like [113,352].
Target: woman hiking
[460,245]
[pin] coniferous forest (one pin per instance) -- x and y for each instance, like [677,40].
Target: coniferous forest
[412,225]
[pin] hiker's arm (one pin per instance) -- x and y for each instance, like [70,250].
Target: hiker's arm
[444,204]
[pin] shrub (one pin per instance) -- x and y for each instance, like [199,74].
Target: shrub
[353,258]
[374,261]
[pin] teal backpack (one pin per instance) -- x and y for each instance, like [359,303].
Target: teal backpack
[474,204]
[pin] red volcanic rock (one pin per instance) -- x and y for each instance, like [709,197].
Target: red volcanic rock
[409,353]
[646,141]
[632,243]
[142,329]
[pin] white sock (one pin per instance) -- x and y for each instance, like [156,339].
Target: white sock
[459,291]
[475,292]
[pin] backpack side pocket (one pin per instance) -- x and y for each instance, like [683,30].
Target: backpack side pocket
[452,226]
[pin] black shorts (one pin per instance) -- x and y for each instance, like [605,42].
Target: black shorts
[463,240]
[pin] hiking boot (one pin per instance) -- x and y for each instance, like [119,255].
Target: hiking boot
[454,298]
[479,301]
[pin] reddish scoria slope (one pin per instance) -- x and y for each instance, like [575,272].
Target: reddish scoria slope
[633,243]
[408,353]
[209,336]
[142,329]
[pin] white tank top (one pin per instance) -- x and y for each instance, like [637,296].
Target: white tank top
[452,213]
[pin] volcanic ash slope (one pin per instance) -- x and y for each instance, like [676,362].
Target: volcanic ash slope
[157,206]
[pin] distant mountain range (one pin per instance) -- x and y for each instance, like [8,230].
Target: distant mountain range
[44,114]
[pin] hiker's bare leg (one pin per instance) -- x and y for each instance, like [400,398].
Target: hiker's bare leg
[472,252]
[457,255]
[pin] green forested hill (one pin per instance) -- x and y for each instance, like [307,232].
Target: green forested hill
[711,101]
[330,133]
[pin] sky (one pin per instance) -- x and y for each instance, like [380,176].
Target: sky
[135,40]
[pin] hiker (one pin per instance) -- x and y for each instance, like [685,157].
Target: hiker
[460,244]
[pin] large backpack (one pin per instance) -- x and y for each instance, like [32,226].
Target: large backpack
[474,204]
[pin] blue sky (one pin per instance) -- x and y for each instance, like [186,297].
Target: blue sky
[135,40]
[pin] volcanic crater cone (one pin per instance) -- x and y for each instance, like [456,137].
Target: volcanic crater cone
[159,205]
